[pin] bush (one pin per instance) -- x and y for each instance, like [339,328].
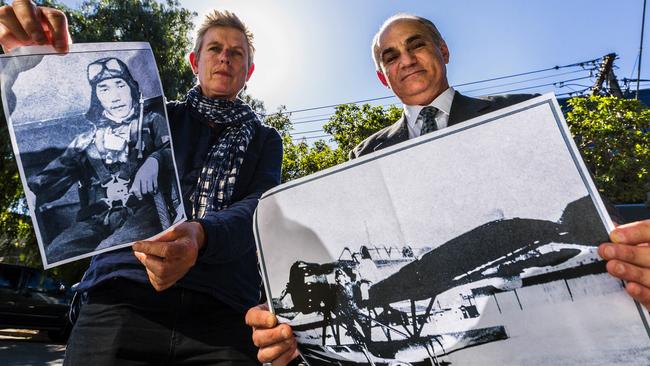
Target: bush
[613,136]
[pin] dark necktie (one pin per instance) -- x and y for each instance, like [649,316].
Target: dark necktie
[427,116]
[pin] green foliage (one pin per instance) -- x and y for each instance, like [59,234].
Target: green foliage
[613,136]
[256,105]
[352,123]
[301,159]
[17,238]
[166,26]
[349,125]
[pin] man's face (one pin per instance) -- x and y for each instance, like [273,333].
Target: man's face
[412,63]
[222,63]
[115,97]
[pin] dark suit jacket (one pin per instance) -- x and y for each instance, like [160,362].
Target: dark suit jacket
[462,109]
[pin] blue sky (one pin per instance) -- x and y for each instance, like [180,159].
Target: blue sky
[316,53]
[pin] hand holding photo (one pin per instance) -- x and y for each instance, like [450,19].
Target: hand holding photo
[472,245]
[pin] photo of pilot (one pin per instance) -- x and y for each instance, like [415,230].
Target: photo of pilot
[118,165]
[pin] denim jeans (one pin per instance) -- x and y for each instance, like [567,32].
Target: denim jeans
[127,323]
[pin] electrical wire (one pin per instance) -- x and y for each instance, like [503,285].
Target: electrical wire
[582,64]
[522,81]
[558,84]
[297,120]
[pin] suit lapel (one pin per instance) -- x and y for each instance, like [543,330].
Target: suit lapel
[464,108]
[398,132]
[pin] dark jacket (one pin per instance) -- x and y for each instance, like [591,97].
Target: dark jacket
[83,162]
[462,109]
[227,266]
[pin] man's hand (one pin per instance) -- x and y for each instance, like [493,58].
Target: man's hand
[146,179]
[628,257]
[276,342]
[172,254]
[23,24]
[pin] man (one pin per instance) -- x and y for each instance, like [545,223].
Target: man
[411,58]
[107,163]
[181,299]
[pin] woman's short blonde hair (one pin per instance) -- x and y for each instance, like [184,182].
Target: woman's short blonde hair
[218,18]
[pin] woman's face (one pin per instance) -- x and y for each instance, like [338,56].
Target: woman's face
[115,96]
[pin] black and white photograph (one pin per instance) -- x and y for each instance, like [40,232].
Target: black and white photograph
[91,138]
[471,245]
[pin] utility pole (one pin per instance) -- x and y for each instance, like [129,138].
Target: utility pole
[638,73]
[606,73]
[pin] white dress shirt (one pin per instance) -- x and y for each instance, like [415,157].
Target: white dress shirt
[442,102]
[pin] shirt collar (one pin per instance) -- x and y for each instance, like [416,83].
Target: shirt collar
[109,116]
[442,102]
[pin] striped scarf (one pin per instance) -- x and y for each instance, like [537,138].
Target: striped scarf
[221,167]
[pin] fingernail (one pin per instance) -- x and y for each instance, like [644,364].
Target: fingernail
[619,269]
[617,236]
[285,333]
[610,252]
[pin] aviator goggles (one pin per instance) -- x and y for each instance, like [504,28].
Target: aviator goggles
[106,68]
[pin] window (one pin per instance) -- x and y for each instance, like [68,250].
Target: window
[9,277]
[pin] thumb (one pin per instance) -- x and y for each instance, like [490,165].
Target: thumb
[142,257]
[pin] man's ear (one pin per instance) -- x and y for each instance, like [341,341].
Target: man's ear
[250,71]
[382,78]
[194,63]
[444,51]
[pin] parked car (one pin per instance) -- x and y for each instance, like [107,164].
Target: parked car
[634,212]
[31,299]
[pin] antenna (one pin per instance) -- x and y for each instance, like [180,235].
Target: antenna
[638,74]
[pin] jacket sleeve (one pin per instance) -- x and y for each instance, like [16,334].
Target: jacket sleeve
[229,232]
[161,145]
[57,177]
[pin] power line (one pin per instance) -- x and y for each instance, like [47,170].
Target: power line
[638,75]
[312,120]
[582,64]
[538,86]
[336,105]
[306,132]
[524,81]
[577,64]
[577,92]
[313,116]
[557,84]
[311,137]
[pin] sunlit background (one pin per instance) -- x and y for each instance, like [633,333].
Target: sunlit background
[313,54]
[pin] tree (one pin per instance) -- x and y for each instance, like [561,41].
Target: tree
[349,125]
[166,26]
[352,123]
[299,158]
[613,137]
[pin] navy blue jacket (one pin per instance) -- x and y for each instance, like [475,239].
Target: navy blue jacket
[227,266]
